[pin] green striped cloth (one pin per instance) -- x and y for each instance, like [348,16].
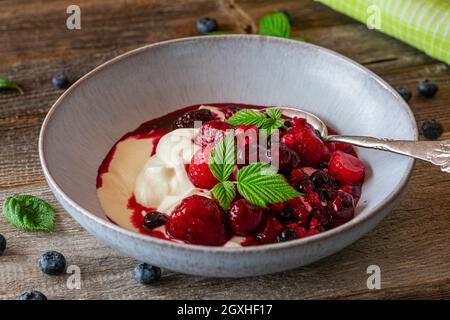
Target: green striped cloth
[424,24]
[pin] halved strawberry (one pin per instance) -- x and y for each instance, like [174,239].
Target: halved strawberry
[346,168]
[198,220]
[199,172]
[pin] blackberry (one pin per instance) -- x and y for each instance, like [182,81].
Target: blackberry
[427,88]
[187,120]
[154,219]
[32,295]
[432,129]
[287,235]
[206,25]
[146,274]
[52,263]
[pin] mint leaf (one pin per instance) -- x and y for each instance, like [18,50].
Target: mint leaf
[271,125]
[260,184]
[224,192]
[275,24]
[274,113]
[247,116]
[222,158]
[29,213]
[8,84]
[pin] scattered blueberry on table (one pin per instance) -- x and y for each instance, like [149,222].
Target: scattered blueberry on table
[432,129]
[405,92]
[206,25]
[32,295]
[2,244]
[427,88]
[52,263]
[60,81]
[146,274]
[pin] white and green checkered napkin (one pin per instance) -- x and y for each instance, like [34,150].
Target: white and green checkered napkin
[424,24]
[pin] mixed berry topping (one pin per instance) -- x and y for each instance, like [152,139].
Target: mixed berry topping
[154,219]
[243,217]
[188,119]
[198,220]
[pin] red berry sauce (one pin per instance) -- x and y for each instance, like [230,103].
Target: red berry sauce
[330,176]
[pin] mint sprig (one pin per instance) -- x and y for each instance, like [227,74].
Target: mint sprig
[260,184]
[29,213]
[269,121]
[8,84]
[275,24]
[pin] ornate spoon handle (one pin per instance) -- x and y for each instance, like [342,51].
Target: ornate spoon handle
[436,152]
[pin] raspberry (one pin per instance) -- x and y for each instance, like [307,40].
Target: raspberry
[199,172]
[270,231]
[244,217]
[308,145]
[198,220]
[346,168]
[187,120]
[211,132]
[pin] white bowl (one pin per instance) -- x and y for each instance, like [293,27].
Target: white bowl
[151,81]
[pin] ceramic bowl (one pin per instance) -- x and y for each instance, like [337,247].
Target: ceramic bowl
[151,81]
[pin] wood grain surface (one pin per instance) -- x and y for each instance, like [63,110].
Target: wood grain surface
[411,246]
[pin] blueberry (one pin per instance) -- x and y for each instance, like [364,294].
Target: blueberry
[206,25]
[432,129]
[154,219]
[32,295]
[60,81]
[405,92]
[287,235]
[427,88]
[287,215]
[321,180]
[146,274]
[2,244]
[52,263]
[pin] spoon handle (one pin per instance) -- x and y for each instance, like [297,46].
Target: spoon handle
[436,152]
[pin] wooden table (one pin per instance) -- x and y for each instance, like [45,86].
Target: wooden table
[411,246]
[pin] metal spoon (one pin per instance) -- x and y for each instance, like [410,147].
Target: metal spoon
[436,152]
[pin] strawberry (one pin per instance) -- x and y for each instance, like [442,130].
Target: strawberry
[211,132]
[199,172]
[308,145]
[198,220]
[346,168]
[243,217]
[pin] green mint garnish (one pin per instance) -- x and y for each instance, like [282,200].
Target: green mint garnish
[222,159]
[269,121]
[29,213]
[260,184]
[275,24]
[224,192]
[8,84]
